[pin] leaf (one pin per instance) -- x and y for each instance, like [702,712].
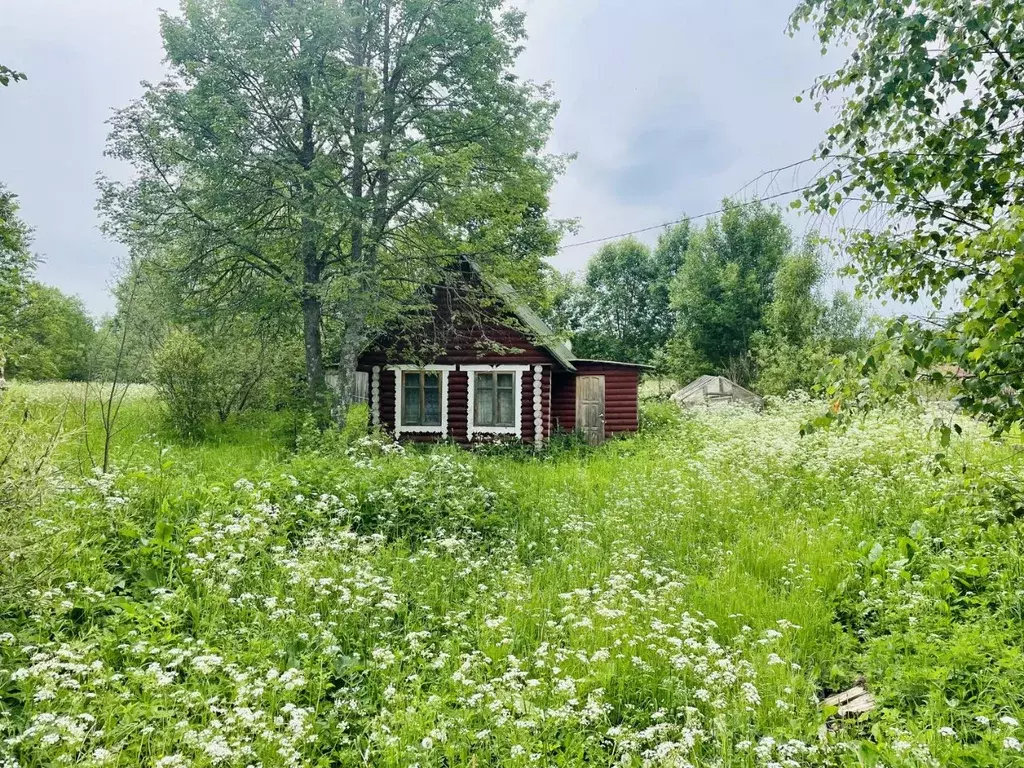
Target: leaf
[876,553]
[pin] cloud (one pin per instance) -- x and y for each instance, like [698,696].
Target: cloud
[670,105]
[659,162]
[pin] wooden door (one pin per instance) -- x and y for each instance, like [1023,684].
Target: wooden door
[361,387]
[590,408]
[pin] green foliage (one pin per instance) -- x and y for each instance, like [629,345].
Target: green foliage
[658,416]
[928,146]
[318,158]
[54,336]
[806,339]
[620,311]
[29,478]
[795,311]
[616,315]
[312,438]
[724,288]
[185,381]
[16,267]
[8,75]
[254,359]
[689,593]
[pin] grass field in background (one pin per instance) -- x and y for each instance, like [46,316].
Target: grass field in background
[682,597]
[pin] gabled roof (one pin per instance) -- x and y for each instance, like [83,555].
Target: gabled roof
[531,320]
[715,388]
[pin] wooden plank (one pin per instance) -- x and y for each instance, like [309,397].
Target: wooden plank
[852,702]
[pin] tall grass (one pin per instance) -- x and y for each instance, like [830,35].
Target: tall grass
[684,597]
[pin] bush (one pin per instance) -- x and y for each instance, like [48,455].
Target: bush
[379,488]
[312,438]
[28,476]
[565,443]
[659,415]
[184,381]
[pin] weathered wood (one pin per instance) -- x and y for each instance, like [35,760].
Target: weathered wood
[852,702]
[590,416]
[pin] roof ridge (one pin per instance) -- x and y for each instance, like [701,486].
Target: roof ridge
[527,316]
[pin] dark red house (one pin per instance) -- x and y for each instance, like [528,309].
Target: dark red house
[504,376]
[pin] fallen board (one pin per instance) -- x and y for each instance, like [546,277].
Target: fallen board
[852,702]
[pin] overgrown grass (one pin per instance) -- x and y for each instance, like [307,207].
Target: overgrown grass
[680,598]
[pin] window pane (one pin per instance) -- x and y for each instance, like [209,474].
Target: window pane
[506,408]
[411,415]
[432,401]
[484,395]
[506,381]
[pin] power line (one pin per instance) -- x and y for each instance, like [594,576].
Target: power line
[687,218]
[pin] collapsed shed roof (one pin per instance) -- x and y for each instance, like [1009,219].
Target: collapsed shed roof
[715,389]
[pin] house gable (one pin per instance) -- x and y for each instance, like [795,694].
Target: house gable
[494,373]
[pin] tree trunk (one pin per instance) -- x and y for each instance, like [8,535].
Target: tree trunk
[311,318]
[309,254]
[351,347]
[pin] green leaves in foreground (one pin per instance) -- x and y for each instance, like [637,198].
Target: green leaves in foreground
[927,161]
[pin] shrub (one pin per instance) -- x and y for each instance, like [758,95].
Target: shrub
[312,438]
[565,443]
[659,415]
[183,379]
[444,494]
[28,476]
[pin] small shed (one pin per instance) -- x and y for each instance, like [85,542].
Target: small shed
[713,390]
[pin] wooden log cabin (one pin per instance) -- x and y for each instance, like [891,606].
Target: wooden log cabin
[502,377]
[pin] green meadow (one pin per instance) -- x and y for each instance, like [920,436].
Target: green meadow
[684,597]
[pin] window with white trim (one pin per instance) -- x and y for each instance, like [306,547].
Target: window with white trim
[495,400]
[421,399]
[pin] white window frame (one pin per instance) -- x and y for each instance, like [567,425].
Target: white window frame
[398,370]
[518,371]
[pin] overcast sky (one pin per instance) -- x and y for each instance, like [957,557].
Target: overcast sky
[670,105]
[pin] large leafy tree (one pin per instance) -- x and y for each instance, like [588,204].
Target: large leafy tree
[621,309]
[334,155]
[54,336]
[16,268]
[617,312]
[725,286]
[669,255]
[803,329]
[929,145]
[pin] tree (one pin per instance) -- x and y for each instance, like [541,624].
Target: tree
[16,267]
[618,311]
[184,381]
[334,156]
[669,254]
[621,310]
[724,288]
[803,331]
[54,336]
[248,351]
[796,310]
[929,146]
